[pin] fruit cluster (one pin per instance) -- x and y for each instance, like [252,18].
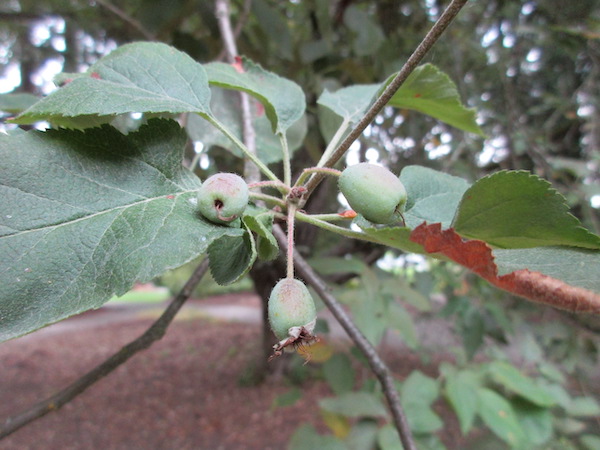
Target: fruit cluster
[371,190]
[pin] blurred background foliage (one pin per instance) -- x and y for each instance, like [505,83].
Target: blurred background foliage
[530,68]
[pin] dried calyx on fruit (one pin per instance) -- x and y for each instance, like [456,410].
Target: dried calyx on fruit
[223,197]
[374,192]
[292,315]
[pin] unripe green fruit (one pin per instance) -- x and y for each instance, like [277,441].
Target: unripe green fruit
[291,305]
[374,192]
[223,197]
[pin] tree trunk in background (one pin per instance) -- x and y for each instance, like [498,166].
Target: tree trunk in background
[28,64]
[73,48]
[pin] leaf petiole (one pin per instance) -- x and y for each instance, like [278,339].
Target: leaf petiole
[267,198]
[337,137]
[347,232]
[281,187]
[287,167]
[252,157]
[329,217]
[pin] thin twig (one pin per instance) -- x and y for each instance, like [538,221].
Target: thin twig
[378,366]
[251,172]
[239,26]
[127,19]
[152,334]
[222,13]
[411,64]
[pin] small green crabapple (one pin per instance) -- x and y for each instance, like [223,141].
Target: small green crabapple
[223,197]
[292,315]
[374,192]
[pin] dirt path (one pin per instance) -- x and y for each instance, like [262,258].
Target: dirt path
[185,392]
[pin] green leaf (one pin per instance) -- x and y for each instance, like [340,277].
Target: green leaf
[363,435]
[432,92]
[422,420]
[86,214]
[274,23]
[549,370]
[350,103]
[307,438]
[225,106]
[583,407]
[400,288]
[16,103]
[575,266]
[427,90]
[368,33]
[339,374]
[388,439]
[329,124]
[261,223]
[231,256]
[371,316]
[140,77]
[310,51]
[498,414]
[536,421]
[329,265]
[461,392]
[432,196]
[590,441]
[287,398]
[513,380]
[268,145]
[429,442]
[570,426]
[354,404]
[558,392]
[419,388]
[392,236]
[473,330]
[283,99]
[418,392]
[515,209]
[401,321]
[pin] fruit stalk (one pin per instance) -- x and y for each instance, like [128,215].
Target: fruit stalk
[290,239]
[287,168]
